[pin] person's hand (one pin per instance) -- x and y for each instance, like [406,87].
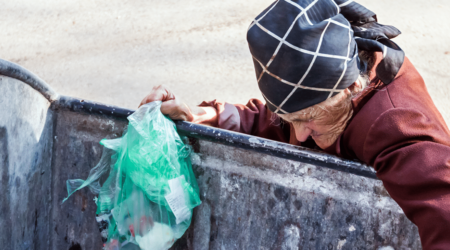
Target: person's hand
[178,110]
[171,105]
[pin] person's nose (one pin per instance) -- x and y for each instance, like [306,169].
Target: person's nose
[302,132]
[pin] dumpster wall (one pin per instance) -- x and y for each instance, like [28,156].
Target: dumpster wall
[26,129]
[76,151]
[257,201]
[249,200]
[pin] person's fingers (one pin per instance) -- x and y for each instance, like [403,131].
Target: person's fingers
[158,93]
[175,110]
[170,106]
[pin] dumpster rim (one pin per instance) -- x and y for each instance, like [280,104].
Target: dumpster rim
[229,138]
[18,72]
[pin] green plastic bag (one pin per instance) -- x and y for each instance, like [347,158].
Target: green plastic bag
[147,200]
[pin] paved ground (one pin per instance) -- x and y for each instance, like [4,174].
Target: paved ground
[115,51]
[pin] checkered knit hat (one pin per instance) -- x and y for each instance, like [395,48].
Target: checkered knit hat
[306,51]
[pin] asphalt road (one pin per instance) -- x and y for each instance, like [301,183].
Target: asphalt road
[115,51]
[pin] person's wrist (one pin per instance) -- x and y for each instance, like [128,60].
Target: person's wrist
[190,117]
[188,114]
[204,115]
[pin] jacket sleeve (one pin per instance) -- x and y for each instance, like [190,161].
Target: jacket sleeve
[253,118]
[411,155]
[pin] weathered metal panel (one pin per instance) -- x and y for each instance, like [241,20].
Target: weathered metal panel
[250,200]
[26,127]
[257,201]
[76,151]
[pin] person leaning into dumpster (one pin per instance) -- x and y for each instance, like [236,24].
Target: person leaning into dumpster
[328,71]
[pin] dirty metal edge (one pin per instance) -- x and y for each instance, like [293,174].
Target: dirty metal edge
[18,72]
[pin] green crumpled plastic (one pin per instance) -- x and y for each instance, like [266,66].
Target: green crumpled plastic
[151,190]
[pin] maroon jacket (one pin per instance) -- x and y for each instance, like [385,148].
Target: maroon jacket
[398,130]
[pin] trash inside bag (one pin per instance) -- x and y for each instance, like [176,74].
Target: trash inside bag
[146,201]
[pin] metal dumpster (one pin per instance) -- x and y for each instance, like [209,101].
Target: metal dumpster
[256,193]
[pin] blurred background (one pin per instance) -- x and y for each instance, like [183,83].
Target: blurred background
[115,51]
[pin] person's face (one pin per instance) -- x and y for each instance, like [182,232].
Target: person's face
[324,122]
